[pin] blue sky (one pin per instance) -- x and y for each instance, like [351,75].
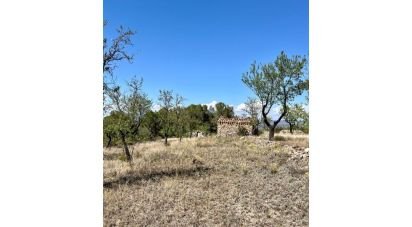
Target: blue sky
[200,49]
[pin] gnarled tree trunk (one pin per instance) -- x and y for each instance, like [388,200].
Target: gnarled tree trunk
[255,130]
[109,143]
[126,148]
[272,133]
[290,127]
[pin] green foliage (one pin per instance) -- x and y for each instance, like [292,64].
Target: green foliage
[223,110]
[144,134]
[174,119]
[152,124]
[200,118]
[166,102]
[195,117]
[242,131]
[132,116]
[115,123]
[179,116]
[109,130]
[212,115]
[122,157]
[297,118]
[253,110]
[128,109]
[305,125]
[277,83]
[280,138]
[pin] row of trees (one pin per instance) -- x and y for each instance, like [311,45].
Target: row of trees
[130,117]
[296,116]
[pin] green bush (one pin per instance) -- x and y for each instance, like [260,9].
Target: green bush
[122,157]
[305,129]
[242,131]
[280,138]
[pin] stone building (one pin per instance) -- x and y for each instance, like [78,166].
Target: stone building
[230,126]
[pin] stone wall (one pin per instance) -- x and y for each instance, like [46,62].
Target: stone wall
[230,126]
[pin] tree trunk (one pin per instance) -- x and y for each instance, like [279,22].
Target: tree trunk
[255,130]
[165,139]
[272,133]
[126,148]
[109,143]
[180,138]
[290,128]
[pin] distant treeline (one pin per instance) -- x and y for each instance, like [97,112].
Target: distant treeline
[182,122]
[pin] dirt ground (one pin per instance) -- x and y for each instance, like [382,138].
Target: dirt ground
[211,181]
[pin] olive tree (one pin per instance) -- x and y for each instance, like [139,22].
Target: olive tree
[277,83]
[252,109]
[180,116]
[114,51]
[109,129]
[128,109]
[296,117]
[166,104]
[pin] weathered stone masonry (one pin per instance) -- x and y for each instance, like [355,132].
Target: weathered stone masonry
[230,126]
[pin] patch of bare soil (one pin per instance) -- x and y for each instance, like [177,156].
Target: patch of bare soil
[207,182]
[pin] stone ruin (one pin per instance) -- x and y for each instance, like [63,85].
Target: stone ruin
[230,126]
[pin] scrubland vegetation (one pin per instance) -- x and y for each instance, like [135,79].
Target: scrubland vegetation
[229,181]
[156,173]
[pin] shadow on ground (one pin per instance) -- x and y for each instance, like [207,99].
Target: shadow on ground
[111,156]
[137,176]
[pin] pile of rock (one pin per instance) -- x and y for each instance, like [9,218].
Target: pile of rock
[262,142]
[299,154]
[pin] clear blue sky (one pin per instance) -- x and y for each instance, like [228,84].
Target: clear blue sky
[201,48]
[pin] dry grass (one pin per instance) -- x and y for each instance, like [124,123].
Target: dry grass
[239,181]
[294,140]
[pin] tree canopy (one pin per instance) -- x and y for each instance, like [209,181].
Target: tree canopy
[277,83]
[128,109]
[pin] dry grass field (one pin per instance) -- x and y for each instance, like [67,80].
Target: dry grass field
[211,181]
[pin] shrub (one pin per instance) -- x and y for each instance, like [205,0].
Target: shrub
[280,138]
[305,130]
[242,131]
[274,168]
[245,171]
[122,157]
